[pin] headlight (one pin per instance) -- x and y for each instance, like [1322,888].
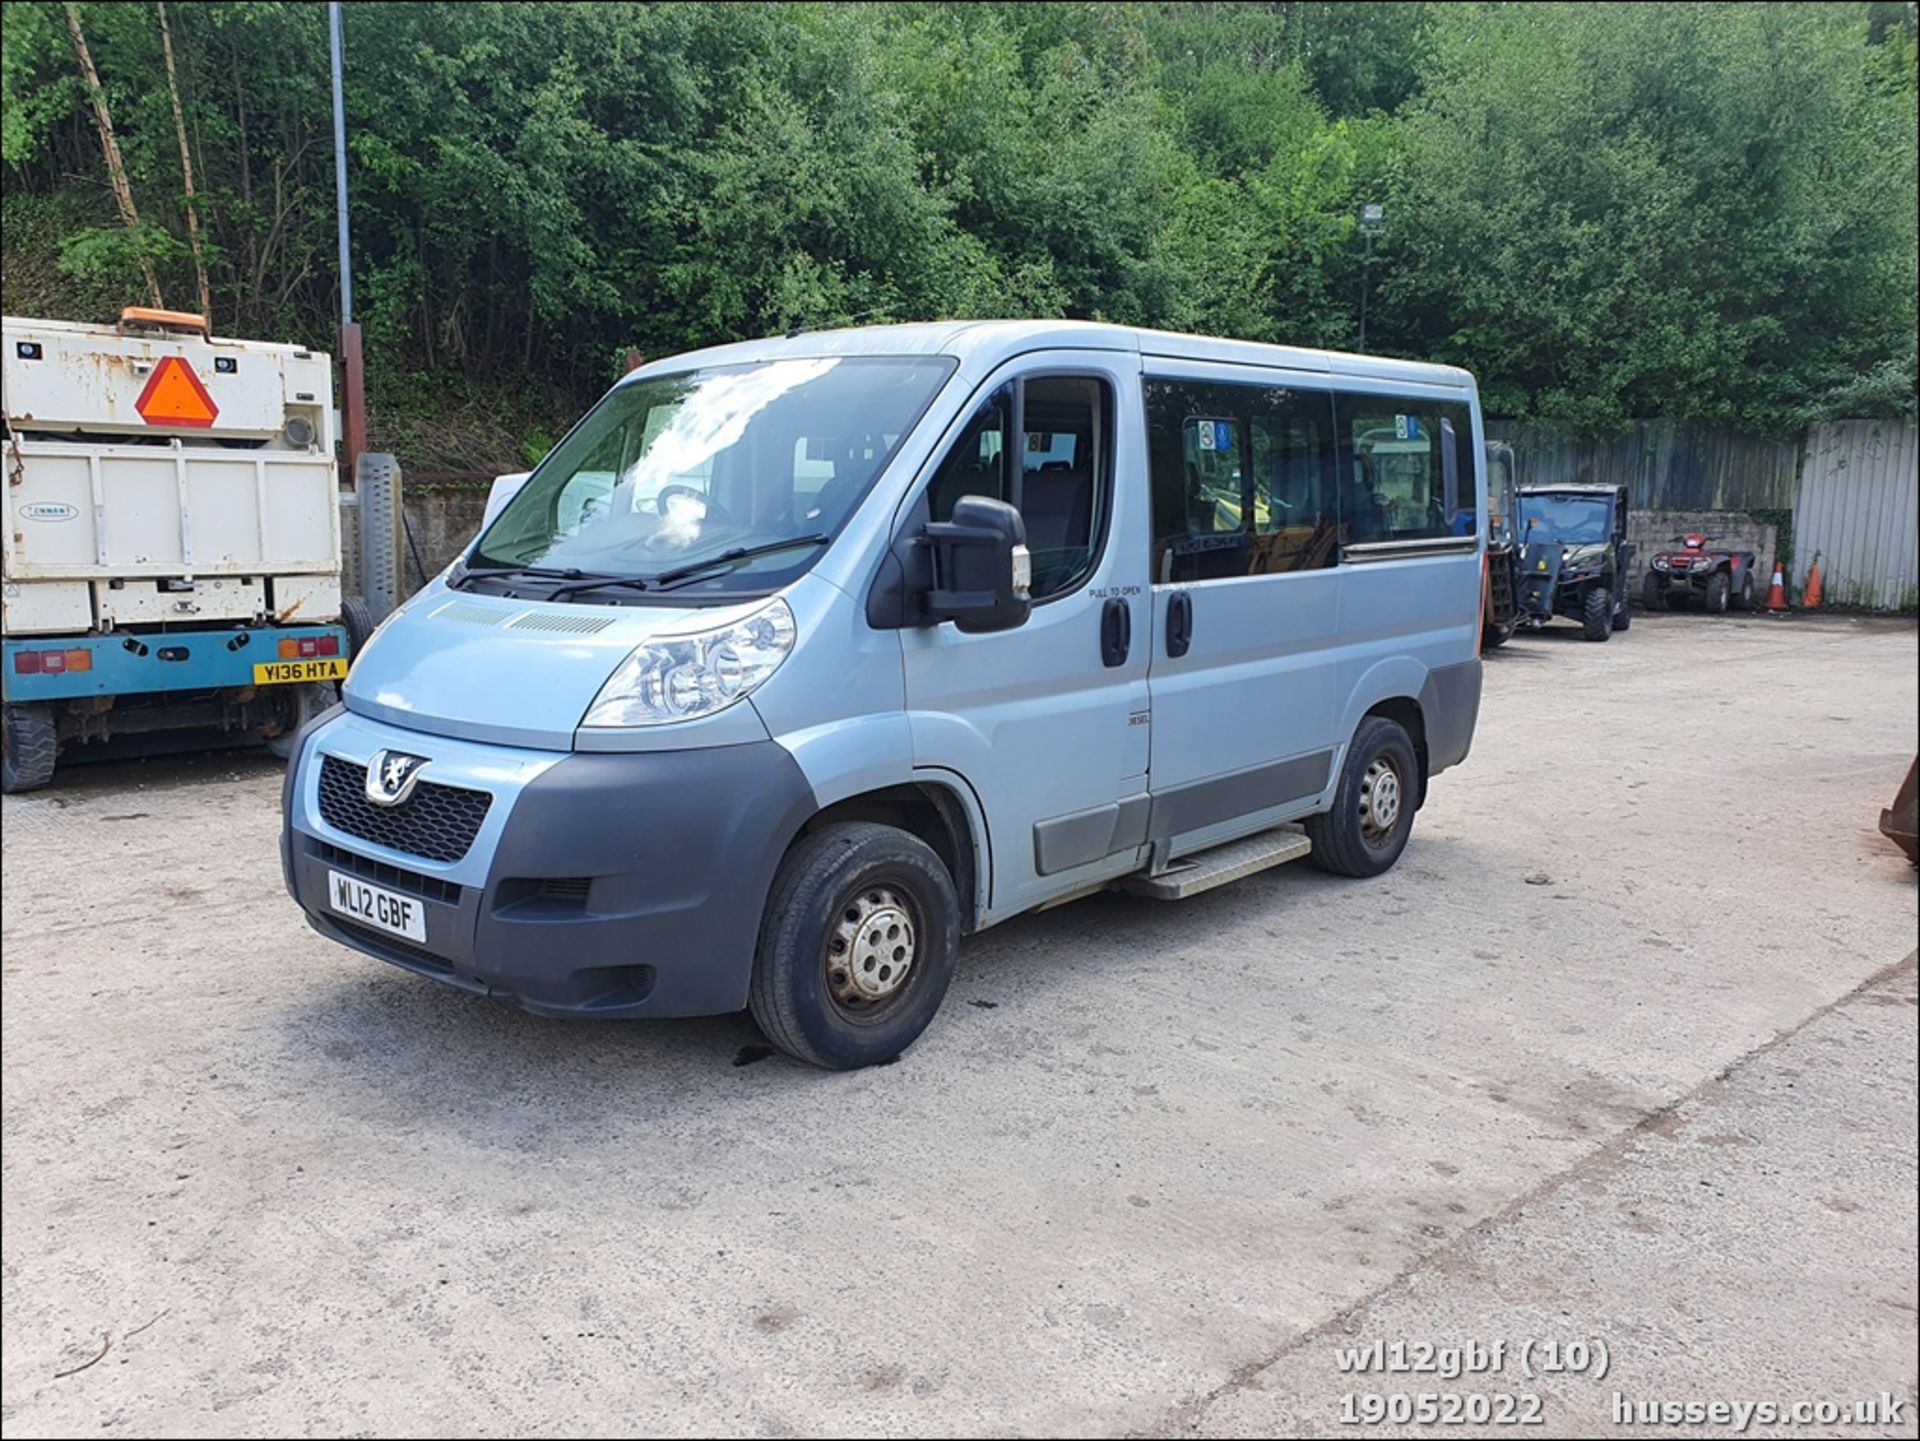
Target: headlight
[676,678]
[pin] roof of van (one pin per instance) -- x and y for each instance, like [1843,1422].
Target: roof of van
[993,341]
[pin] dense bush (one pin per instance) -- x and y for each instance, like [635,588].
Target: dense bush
[1699,211]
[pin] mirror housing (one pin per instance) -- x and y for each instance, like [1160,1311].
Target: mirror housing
[982,574]
[505,488]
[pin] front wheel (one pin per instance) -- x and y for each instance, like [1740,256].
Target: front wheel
[857,948]
[1372,814]
[1743,597]
[1653,595]
[1718,589]
[1596,614]
[1623,611]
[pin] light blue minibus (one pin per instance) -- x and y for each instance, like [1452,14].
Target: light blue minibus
[799,659]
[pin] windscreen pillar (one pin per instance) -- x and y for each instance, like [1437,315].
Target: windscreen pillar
[377,483]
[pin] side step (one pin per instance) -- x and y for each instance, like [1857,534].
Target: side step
[1191,875]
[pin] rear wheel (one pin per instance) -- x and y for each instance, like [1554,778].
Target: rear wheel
[1718,589]
[1743,597]
[1653,595]
[1372,814]
[29,747]
[858,946]
[1596,614]
[306,702]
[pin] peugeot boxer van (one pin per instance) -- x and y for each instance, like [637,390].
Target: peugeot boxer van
[800,659]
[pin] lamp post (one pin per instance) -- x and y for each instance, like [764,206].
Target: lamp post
[354,409]
[1372,217]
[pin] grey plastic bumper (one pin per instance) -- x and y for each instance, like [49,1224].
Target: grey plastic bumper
[668,856]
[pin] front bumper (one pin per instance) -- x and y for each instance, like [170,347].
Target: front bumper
[605,885]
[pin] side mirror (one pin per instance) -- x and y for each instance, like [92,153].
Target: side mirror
[982,574]
[505,488]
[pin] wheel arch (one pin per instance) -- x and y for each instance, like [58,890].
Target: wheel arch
[931,810]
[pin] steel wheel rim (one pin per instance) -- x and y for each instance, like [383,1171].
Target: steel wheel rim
[1380,801]
[871,951]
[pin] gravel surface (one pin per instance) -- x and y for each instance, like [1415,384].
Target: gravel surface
[1623,1049]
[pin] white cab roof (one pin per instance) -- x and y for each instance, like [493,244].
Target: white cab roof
[983,344]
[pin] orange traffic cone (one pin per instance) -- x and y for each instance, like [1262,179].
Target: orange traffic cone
[1777,593]
[1810,592]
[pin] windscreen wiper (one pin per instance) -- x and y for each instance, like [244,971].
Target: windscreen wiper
[571,579]
[735,556]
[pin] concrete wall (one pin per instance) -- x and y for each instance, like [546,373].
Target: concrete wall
[441,518]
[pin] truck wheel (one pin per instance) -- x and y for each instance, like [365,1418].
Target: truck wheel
[29,746]
[1623,612]
[1718,587]
[359,623]
[308,701]
[1743,597]
[1372,813]
[1653,595]
[857,948]
[1596,614]
[1492,636]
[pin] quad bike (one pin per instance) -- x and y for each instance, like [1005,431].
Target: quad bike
[1716,579]
[1575,557]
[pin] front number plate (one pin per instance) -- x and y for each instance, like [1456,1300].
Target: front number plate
[377,907]
[283,672]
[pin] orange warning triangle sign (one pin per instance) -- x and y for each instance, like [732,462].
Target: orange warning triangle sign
[175,396]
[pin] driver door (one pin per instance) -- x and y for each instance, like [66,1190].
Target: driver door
[1047,723]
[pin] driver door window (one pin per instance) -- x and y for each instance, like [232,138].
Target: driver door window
[1043,444]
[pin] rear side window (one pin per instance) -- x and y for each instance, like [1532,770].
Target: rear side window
[1243,480]
[1406,469]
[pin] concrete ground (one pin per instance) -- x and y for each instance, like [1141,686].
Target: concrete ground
[1623,1052]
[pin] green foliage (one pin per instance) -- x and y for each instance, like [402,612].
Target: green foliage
[1705,213]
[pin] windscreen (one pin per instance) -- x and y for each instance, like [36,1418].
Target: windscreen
[671,471]
[1567,519]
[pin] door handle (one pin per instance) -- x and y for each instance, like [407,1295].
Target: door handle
[1179,623]
[1116,632]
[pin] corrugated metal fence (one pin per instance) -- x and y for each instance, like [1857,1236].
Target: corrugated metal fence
[1665,465]
[1852,487]
[1859,506]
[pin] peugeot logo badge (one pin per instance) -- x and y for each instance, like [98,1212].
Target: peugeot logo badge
[391,776]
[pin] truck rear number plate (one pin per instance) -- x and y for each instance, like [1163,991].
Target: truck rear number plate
[280,672]
[376,906]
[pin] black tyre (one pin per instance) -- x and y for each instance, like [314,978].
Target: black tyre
[1719,587]
[1492,636]
[1623,612]
[306,702]
[1372,813]
[1653,595]
[359,623]
[857,948]
[29,747]
[1742,599]
[1596,614]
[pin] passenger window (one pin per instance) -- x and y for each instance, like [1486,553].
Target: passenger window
[1242,480]
[1064,476]
[1406,469]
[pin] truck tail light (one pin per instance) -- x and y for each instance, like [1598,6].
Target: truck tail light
[51,662]
[307,647]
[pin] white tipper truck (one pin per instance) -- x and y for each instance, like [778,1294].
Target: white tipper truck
[172,547]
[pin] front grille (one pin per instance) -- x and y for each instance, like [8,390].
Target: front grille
[437,822]
[431,888]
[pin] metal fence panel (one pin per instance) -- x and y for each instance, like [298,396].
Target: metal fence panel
[1859,507]
[1665,464]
